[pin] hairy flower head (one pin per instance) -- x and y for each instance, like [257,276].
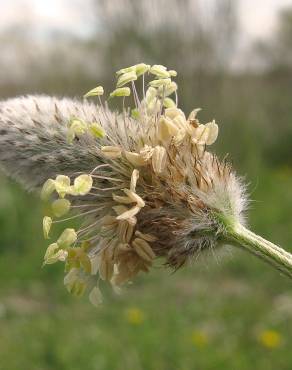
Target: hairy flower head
[141,186]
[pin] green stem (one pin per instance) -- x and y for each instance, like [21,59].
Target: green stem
[255,244]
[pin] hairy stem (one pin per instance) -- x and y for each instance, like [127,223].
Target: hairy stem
[255,244]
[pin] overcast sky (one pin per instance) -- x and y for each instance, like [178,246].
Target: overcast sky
[257,17]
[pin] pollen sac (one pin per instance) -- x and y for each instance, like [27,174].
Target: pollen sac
[111,152]
[151,100]
[159,159]
[177,116]
[60,207]
[125,231]
[51,250]
[135,159]
[135,113]
[122,91]
[205,134]
[126,78]
[95,296]
[147,237]
[141,69]
[159,71]
[47,189]
[126,70]
[47,223]
[96,130]
[167,89]
[143,249]
[54,254]
[77,127]
[166,129]
[97,91]
[67,238]
[172,73]
[151,93]
[62,185]
[200,135]
[82,185]
[160,82]
[213,132]
[169,103]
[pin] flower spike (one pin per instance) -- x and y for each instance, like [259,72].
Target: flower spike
[138,184]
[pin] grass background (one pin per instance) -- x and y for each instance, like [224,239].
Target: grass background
[228,310]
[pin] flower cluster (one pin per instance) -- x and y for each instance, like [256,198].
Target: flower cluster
[137,153]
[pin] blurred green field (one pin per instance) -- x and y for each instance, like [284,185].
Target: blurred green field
[227,311]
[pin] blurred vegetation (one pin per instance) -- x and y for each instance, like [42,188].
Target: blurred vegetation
[227,311]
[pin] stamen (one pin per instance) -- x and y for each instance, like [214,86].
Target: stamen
[81,231]
[136,97]
[79,215]
[98,167]
[107,178]
[176,98]
[107,189]
[84,205]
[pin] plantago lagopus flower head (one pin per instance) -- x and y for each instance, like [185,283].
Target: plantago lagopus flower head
[141,184]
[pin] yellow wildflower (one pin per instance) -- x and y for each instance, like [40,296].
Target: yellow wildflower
[199,338]
[134,316]
[270,339]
